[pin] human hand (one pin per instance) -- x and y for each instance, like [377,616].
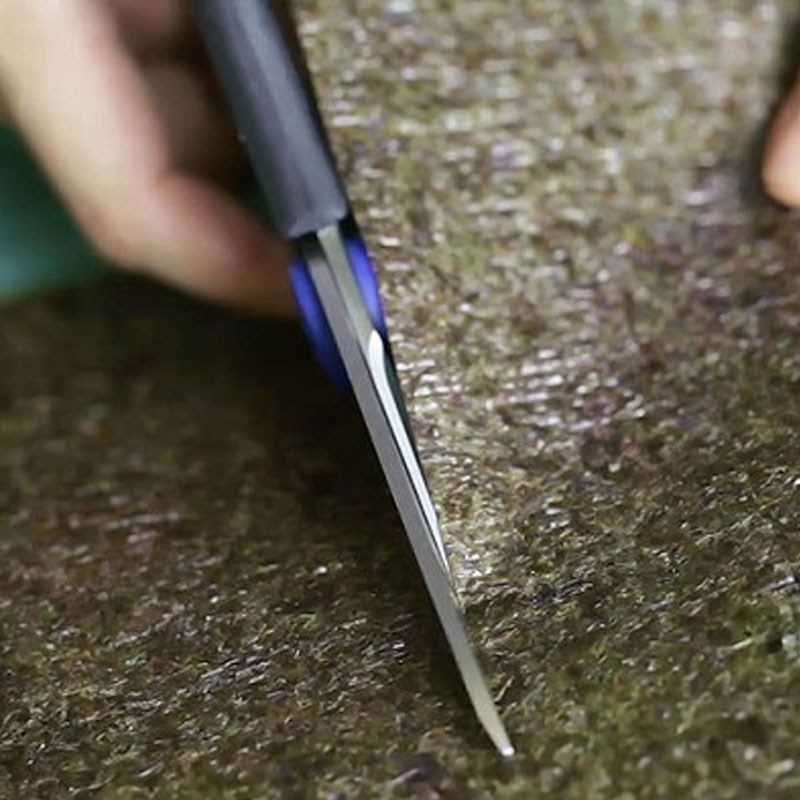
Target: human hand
[115,102]
[780,170]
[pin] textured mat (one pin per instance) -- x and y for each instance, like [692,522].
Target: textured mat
[205,589]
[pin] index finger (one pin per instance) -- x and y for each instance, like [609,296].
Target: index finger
[87,112]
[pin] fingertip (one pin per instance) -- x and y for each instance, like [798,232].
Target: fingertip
[206,242]
[780,169]
[779,176]
[779,188]
[250,271]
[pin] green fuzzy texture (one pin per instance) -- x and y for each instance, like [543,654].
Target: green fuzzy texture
[40,248]
[205,589]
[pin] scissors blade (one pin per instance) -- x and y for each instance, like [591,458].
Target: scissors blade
[372,374]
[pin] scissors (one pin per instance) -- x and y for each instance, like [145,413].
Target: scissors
[258,60]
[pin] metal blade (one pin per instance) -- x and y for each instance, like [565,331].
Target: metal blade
[371,372]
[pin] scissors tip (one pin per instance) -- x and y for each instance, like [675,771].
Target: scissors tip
[508,751]
[504,746]
[498,735]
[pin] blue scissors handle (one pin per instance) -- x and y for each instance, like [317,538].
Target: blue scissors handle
[315,322]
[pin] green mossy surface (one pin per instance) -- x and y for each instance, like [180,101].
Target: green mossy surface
[205,589]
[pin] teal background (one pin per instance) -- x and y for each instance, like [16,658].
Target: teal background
[40,248]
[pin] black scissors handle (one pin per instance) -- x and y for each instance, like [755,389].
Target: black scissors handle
[270,95]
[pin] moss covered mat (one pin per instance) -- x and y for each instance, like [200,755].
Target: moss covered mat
[204,590]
